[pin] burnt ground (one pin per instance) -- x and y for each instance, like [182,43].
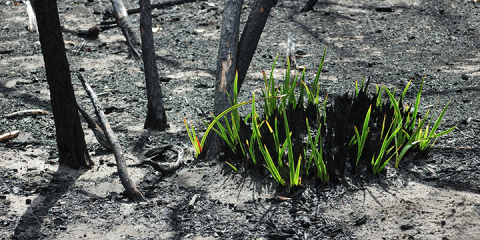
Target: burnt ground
[434,197]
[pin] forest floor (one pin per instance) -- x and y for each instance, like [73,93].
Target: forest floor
[435,197]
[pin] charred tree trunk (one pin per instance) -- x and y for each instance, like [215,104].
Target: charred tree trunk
[309,6]
[226,66]
[72,149]
[251,35]
[120,13]
[156,117]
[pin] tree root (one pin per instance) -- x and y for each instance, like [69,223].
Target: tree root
[165,169]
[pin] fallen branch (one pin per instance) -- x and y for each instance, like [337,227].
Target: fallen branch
[8,136]
[28,112]
[108,13]
[131,190]
[97,131]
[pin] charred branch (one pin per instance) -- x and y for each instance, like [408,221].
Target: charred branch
[97,130]
[125,24]
[131,190]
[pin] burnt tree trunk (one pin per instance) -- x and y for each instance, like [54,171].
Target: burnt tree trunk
[123,21]
[251,35]
[72,149]
[156,118]
[226,66]
[309,6]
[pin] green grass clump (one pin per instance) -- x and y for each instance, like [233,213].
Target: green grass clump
[297,136]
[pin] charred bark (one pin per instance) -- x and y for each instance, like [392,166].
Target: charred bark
[156,117]
[123,21]
[131,190]
[251,35]
[72,149]
[226,66]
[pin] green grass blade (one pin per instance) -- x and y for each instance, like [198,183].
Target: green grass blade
[405,90]
[270,166]
[302,89]
[417,102]
[315,86]
[291,163]
[297,172]
[439,119]
[192,139]
[277,139]
[233,167]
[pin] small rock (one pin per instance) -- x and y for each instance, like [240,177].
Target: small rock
[28,201]
[193,200]
[93,31]
[443,223]
[406,227]
[58,221]
[467,121]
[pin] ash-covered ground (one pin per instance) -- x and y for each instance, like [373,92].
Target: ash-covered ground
[434,197]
